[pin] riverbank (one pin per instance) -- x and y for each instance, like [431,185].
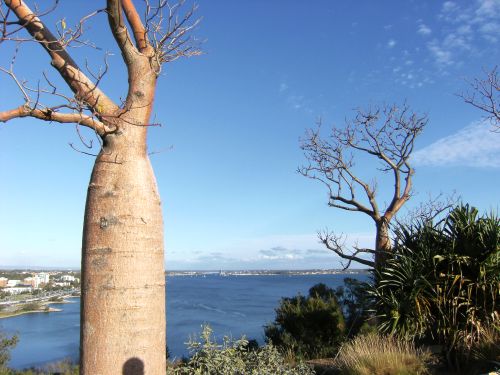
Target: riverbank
[43,307]
[4,315]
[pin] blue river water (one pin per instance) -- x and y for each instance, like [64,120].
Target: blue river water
[231,305]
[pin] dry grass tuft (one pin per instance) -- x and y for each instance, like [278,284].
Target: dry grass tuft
[374,354]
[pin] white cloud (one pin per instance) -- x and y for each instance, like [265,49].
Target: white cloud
[270,252]
[296,101]
[283,87]
[490,31]
[442,56]
[449,6]
[488,8]
[464,25]
[391,43]
[424,30]
[464,30]
[281,253]
[455,41]
[473,146]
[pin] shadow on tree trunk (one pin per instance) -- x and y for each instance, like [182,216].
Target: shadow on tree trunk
[134,366]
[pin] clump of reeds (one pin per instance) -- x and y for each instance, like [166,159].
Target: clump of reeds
[374,354]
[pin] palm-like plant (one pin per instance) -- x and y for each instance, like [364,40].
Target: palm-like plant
[443,281]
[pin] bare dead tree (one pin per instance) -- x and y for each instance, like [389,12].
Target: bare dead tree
[484,94]
[387,135]
[123,282]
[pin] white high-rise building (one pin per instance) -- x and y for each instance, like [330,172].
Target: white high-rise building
[44,277]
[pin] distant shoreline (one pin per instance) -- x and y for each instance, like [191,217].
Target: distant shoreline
[5,315]
[206,271]
[18,313]
[268,272]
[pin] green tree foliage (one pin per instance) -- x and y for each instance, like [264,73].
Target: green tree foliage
[32,306]
[235,358]
[357,305]
[309,327]
[6,344]
[442,282]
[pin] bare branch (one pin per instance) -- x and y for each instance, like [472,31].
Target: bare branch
[138,29]
[84,89]
[485,96]
[336,243]
[429,209]
[120,31]
[50,114]
[169,33]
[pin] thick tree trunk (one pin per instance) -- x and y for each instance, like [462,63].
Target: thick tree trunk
[123,281]
[382,243]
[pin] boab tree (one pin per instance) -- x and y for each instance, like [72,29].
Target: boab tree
[387,135]
[123,283]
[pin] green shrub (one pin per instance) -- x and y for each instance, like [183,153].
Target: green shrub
[6,344]
[33,306]
[374,354]
[64,367]
[357,304]
[442,282]
[235,358]
[308,327]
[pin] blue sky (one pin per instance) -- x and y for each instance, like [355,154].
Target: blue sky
[231,122]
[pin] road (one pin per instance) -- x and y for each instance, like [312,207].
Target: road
[40,298]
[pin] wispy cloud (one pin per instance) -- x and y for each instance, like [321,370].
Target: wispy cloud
[488,8]
[271,252]
[295,100]
[442,55]
[473,146]
[391,43]
[448,8]
[463,26]
[282,253]
[424,30]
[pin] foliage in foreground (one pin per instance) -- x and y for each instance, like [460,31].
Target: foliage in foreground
[308,327]
[357,305]
[64,367]
[374,354]
[6,344]
[235,358]
[442,283]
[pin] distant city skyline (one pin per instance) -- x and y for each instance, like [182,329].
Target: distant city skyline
[227,152]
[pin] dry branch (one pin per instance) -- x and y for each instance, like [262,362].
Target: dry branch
[52,115]
[84,89]
[485,95]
